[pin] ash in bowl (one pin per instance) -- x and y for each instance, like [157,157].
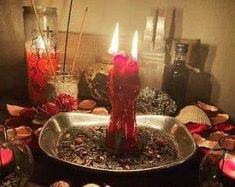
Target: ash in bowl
[86,146]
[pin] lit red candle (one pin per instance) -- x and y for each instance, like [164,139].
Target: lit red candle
[6,160]
[124,86]
[6,156]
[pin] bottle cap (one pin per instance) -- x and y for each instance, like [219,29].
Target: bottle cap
[181,48]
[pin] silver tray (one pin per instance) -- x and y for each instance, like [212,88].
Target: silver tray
[54,126]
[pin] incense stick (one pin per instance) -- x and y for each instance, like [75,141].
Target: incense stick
[67,33]
[42,36]
[79,39]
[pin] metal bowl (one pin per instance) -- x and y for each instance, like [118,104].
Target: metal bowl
[54,126]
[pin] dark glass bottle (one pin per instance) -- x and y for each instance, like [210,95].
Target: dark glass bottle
[177,76]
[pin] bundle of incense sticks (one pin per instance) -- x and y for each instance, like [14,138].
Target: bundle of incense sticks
[42,36]
[66,39]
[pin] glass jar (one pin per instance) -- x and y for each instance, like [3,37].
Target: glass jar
[16,161]
[38,64]
[62,83]
[217,168]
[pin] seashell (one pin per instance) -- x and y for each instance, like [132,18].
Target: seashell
[207,107]
[100,111]
[193,114]
[219,118]
[87,104]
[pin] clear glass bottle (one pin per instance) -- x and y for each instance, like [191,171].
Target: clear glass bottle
[38,64]
[177,77]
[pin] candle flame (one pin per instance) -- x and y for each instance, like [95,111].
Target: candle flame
[41,43]
[134,50]
[113,49]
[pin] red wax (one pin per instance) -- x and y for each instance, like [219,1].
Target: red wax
[38,67]
[6,157]
[227,166]
[124,86]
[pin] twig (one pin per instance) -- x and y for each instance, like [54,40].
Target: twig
[42,36]
[67,33]
[79,39]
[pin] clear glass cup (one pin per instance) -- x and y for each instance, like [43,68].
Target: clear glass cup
[16,161]
[217,168]
[62,83]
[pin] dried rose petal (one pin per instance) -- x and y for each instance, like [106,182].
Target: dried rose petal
[14,110]
[28,113]
[202,142]
[24,132]
[37,131]
[60,184]
[87,104]
[225,127]
[215,136]
[207,107]
[49,109]
[66,103]
[197,128]
[219,118]
[100,111]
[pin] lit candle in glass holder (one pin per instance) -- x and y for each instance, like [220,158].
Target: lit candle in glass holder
[40,49]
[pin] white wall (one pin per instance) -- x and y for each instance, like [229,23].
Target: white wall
[212,21]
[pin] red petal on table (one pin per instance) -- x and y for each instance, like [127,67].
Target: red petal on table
[6,156]
[225,127]
[28,113]
[17,121]
[197,128]
[14,110]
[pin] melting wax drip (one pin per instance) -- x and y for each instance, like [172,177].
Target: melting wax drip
[124,86]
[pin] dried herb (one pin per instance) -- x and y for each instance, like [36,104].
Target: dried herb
[86,146]
[153,101]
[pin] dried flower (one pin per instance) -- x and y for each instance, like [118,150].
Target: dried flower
[49,109]
[152,101]
[66,103]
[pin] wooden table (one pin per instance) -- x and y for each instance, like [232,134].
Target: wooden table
[47,171]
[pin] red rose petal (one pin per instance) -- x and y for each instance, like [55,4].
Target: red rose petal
[197,128]
[28,113]
[225,127]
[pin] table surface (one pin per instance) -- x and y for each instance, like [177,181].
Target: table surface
[47,171]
